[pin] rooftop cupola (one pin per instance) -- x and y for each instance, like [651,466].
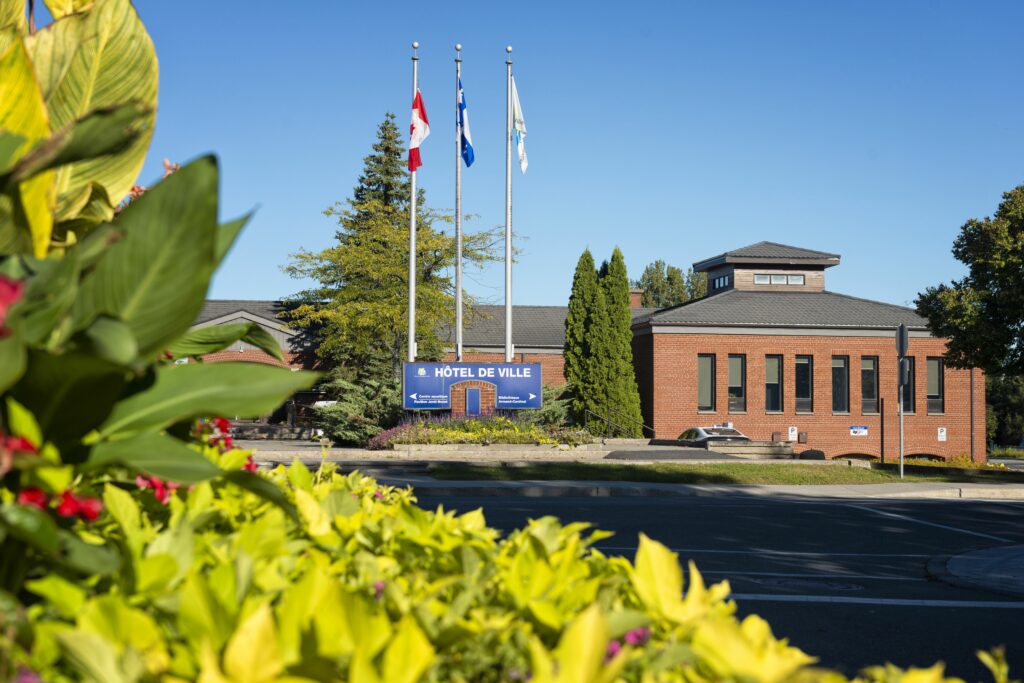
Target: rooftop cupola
[767,267]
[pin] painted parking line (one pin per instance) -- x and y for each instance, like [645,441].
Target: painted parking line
[880,602]
[914,520]
[765,551]
[797,575]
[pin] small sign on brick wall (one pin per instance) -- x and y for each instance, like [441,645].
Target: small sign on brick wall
[793,433]
[942,434]
[858,430]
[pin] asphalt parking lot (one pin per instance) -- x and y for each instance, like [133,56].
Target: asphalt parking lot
[845,580]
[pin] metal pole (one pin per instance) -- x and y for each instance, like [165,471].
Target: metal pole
[458,205]
[899,388]
[412,228]
[508,205]
[972,414]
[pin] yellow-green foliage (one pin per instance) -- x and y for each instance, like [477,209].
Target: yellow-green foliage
[481,430]
[358,583]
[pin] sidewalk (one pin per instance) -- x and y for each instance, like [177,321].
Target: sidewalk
[999,569]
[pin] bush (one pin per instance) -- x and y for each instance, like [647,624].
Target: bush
[475,430]
[344,579]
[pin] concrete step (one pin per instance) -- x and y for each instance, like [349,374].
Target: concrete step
[755,450]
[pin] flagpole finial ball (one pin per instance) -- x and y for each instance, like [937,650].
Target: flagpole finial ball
[458,47]
[415,45]
[508,49]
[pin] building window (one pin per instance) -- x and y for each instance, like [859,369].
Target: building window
[779,279]
[840,384]
[805,384]
[908,388]
[737,383]
[795,279]
[773,384]
[936,386]
[768,279]
[720,282]
[762,279]
[706,381]
[869,384]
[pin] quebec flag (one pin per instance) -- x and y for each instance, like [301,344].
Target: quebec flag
[465,138]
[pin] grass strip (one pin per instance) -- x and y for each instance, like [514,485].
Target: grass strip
[724,473]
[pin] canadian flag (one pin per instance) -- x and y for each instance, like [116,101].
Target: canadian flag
[419,129]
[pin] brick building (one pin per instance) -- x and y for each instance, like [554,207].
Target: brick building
[773,352]
[263,313]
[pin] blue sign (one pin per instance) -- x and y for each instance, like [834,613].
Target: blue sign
[428,386]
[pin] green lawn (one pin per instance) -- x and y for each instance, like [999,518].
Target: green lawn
[725,473]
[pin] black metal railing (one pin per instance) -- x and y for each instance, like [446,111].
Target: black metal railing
[610,427]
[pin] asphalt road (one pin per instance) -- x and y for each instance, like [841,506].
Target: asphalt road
[844,580]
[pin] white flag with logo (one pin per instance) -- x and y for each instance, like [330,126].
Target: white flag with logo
[519,128]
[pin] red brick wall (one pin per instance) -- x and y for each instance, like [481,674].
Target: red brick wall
[671,399]
[552,364]
[253,356]
[488,396]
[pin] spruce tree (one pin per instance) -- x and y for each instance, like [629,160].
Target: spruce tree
[623,397]
[597,385]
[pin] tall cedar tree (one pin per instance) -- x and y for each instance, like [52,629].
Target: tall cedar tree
[583,300]
[983,313]
[360,302]
[623,395]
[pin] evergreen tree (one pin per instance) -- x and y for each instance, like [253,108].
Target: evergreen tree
[582,300]
[357,308]
[663,285]
[623,397]
[597,385]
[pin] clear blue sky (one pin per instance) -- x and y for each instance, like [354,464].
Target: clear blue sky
[675,130]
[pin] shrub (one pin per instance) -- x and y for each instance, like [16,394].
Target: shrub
[475,430]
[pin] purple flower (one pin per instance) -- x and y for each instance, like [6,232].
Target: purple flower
[378,589]
[378,494]
[638,636]
[26,676]
[614,647]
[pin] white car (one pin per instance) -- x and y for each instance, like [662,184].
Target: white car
[702,436]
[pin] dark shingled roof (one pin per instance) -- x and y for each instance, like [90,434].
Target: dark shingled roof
[532,326]
[216,308]
[769,252]
[785,309]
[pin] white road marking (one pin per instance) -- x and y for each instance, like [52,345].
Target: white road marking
[792,575]
[883,602]
[905,518]
[765,551]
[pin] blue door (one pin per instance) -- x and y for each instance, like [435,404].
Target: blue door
[472,402]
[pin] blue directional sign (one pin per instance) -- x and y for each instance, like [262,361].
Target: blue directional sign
[428,386]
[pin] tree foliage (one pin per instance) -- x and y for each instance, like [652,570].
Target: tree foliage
[666,285]
[982,314]
[598,345]
[623,395]
[1005,398]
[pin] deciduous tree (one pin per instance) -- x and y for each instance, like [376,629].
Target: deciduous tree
[982,314]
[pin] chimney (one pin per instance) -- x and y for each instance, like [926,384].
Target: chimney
[636,296]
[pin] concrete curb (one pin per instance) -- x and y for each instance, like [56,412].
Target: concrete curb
[957,570]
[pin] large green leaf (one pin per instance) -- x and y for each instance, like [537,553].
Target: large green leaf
[99,58]
[48,297]
[154,279]
[111,339]
[26,209]
[12,360]
[267,490]
[182,392]
[155,454]
[227,234]
[60,8]
[102,132]
[213,338]
[12,15]
[70,394]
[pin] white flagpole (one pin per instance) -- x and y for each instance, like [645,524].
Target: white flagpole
[412,228]
[508,205]
[458,206]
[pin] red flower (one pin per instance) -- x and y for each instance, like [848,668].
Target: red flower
[34,497]
[222,424]
[79,506]
[250,465]
[10,292]
[11,446]
[162,490]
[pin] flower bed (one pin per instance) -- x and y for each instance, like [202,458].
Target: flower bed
[478,430]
